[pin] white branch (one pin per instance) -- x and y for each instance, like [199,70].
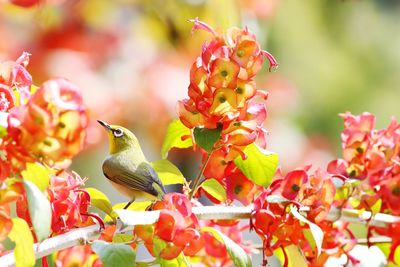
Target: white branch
[3,119]
[131,218]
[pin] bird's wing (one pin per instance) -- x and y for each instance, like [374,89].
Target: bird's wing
[142,179]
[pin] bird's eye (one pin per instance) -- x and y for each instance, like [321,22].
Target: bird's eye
[118,132]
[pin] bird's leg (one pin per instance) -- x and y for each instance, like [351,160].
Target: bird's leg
[129,203]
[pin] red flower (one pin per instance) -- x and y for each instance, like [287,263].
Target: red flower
[238,186]
[390,194]
[74,256]
[292,183]
[213,247]
[69,204]
[176,226]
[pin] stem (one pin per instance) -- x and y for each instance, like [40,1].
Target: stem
[198,178]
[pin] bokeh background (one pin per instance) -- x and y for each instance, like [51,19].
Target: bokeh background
[131,58]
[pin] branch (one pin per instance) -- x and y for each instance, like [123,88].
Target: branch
[130,218]
[3,119]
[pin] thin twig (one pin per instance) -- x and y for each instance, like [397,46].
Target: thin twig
[198,178]
[131,218]
[360,241]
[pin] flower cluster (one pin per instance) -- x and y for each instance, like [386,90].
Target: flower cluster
[273,218]
[373,157]
[222,87]
[69,204]
[45,125]
[176,228]
[222,94]
[49,128]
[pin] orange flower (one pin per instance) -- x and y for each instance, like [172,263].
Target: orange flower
[74,256]
[50,127]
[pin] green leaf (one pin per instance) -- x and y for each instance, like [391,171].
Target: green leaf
[215,189]
[122,238]
[3,131]
[316,231]
[239,257]
[376,208]
[168,172]
[23,253]
[295,257]
[99,200]
[173,138]
[114,254]
[260,165]
[37,174]
[50,259]
[206,138]
[385,248]
[39,210]
[179,261]
[136,206]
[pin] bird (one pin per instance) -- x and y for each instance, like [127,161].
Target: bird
[127,168]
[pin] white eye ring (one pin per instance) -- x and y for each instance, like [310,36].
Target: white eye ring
[118,132]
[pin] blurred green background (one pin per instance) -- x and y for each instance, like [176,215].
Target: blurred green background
[131,59]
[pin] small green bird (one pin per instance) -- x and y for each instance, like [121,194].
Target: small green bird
[127,168]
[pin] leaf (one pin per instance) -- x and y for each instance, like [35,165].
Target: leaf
[316,231]
[260,165]
[137,206]
[99,200]
[376,208]
[206,138]
[295,257]
[385,248]
[23,253]
[37,174]
[173,137]
[39,210]
[122,238]
[168,172]
[3,131]
[114,254]
[215,189]
[179,261]
[239,257]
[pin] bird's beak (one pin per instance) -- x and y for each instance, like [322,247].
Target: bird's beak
[104,124]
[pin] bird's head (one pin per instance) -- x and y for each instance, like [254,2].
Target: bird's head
[119,138]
